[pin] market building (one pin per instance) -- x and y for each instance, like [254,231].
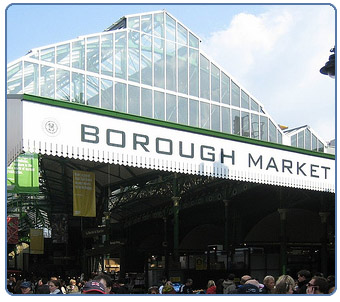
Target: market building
[189,174]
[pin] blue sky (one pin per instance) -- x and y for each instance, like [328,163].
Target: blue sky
[273,51]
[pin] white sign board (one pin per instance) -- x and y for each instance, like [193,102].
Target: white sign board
[70,133]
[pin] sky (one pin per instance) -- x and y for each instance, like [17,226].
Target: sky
[275,52]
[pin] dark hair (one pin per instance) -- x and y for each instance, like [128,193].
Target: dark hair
[56,283]
[231,276]
[106,277]
[322,283]
[304,273]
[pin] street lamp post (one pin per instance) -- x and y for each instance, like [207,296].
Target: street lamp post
[329,68]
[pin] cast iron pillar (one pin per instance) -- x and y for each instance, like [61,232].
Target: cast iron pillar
[165,246]
[324,241]
[226,229]
[283,240]
[175,200]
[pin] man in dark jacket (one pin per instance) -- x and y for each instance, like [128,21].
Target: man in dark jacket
[43,288]
[304,277]
[187,288]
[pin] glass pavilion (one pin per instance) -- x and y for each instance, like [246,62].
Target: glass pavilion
[150,65]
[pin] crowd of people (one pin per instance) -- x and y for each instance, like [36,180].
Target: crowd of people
[305,283]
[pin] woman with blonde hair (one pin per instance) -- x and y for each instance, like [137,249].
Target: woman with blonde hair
[211,287]
[284,285]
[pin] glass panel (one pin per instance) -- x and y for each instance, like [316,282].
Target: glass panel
[133,100]
[92,54]
[235,94]
[301,139]
[120,97]
[107,55]
[63,85]
[133,23]
[183,69]
[320,146]
[120,55]
[215,83]
[182,34]
[245,124]
[146,24]
[244,100]
[293,140]
[78,54]
[171,109]
[48,55]
[254,105]
[193,72]
[14,78]
[264,128]
[63,54]
[134,56]
[236,127]
[31,78]
[226,120]
[78,88]
[193,41]
[171,66]
[215,117]
[159,25]
[146,60]
[225,89]
[204,115]
[314,143]
[255,126]
[182,110]
[272,132]
[159,63]
[107,94]
[205,78]
[92,91]
[146,102]
[279,137]
[35,55]
[159,111]
[193,113]
[47,81]
[170,28]
[308,139]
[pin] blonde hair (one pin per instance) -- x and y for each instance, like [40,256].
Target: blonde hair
[283,284]
[211,283]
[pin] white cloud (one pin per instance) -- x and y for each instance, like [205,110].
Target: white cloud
[276,56]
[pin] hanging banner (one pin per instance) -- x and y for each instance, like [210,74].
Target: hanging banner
[84,194]
[85,133]
[23,174]
[12,230]
[36,241]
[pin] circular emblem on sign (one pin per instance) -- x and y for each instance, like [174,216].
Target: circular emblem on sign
[51,127]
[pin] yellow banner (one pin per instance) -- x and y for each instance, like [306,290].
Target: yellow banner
[36,241]
[84,194]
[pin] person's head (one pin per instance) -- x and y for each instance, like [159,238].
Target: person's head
[303,275]
[53,285]
[269,282]
[163,280]
[253,282]
[284,285]
[189,282]
[93,287]
[231,277]
[73,282]
[168,289]
[317,285]
[244,279]
[211,283]
[26,287]
[105,280]
[153,290]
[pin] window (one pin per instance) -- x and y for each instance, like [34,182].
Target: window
[159,110]
[107,94]
[63,85]
[31,78]
[235,94]
[183,69]
[171,108]
[193,72]
[48,55]
[92,54]
[182,110]
[225,120]
[205,115]
[254,105]
[293,140]
[215,117]
[301,139]
[264,128]
[193,113]
[215,83]
[205,77]
[107,55]
[193,41]
[244,100]
[63,54]
[120,55]
[308,139]
[92,91]
[182,34]
[225,89]
[78,88]
[146,23]
[133,23]
[170,28]
[120,97]
[236,122]
[78,54]
[133,100]
[245,124]
[133,66]
[272,132]
[255,126]
[171,66]
[146,102]
[159,63]
[159,25]
[146,60]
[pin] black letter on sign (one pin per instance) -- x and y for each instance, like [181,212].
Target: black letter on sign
[94,133]
[288,167]
[255,163]
[272,164]
[212,154]
[312,170]
[232,156]
[108,138]
[135,142]
[299,168]
[325,168]
[158,139]
[181,150]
